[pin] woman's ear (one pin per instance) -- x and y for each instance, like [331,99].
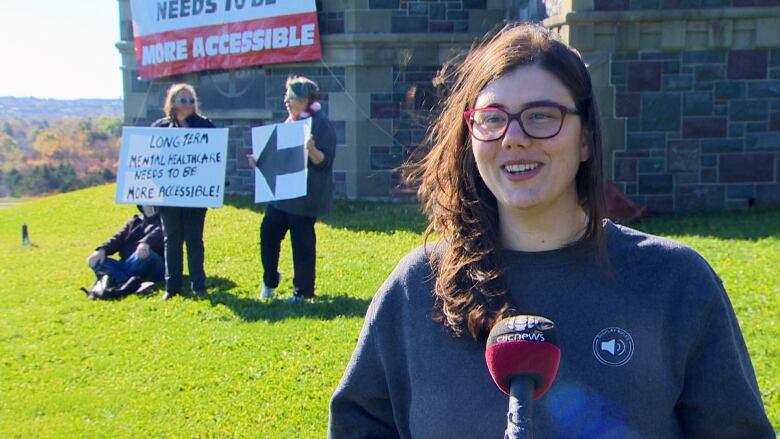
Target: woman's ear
[585,145]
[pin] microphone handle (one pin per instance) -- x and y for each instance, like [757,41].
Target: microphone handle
[518,418]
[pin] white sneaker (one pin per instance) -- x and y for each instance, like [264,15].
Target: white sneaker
[267,292]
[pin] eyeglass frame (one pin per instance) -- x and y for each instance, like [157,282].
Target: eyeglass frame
[468,114]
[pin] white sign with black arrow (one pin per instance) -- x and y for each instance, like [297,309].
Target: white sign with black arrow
[280,173]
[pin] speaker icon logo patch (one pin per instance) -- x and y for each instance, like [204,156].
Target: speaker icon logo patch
[613,346]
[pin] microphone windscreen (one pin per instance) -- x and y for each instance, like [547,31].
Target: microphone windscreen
[523,345]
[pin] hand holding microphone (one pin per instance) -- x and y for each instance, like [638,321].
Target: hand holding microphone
[523,357]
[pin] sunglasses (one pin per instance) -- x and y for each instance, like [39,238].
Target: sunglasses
[185,101]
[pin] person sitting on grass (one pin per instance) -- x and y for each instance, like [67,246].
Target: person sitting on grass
[140,247]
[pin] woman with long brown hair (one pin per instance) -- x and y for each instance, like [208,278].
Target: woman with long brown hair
[513,186]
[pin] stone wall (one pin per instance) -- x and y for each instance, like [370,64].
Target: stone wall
[428,16]
[703,128]
[693,99]
[622,5]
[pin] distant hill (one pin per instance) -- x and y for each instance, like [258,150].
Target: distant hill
[30,109]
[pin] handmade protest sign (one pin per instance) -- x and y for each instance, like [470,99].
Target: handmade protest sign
[182,167]
[281,160]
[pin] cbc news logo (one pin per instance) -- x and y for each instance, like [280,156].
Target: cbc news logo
[522,323]
[613,346]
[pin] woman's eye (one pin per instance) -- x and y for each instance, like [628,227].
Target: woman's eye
[490,119]
[538,117]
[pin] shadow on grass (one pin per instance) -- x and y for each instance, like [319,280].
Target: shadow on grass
[325,307]
[378,217]
[748,225]
[213,284]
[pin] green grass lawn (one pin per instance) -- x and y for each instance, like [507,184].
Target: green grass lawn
[231,366]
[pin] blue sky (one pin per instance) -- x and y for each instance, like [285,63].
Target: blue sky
[60,49]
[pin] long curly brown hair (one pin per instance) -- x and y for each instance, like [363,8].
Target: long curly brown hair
[470,291]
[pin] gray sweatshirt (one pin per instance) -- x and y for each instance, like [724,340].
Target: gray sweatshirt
[651,350]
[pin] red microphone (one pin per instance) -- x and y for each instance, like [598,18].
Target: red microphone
[523,357]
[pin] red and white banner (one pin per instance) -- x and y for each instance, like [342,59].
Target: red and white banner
[180,36]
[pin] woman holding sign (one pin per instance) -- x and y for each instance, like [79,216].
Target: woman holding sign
[183,224]
[649,343]
[298,215]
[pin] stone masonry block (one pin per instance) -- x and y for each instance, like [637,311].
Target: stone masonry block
[644,76]
[673,35]
[700,197]
[768,32]
[656,184]
[749,167]
[768,141]
[748,64]
[704,127]
[697,104]
[360,21]
[764,89]
[660,112]
[748,110]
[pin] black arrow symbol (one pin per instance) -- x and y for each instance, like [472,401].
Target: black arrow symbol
[274,161]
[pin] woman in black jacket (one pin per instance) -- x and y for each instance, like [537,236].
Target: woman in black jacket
[183,224]
[298,215]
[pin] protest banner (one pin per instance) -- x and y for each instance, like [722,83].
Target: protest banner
[182,167]
[180,36]
[280,173]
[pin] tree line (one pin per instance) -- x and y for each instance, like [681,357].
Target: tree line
[42,157]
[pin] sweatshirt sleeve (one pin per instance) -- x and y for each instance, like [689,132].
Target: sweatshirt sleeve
[155,239]
[113,244]
[360,406]
[324,140]
[720,396]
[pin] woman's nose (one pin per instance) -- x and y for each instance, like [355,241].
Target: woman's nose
[515,136]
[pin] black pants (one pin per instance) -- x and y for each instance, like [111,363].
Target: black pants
[183,224]
[304,242]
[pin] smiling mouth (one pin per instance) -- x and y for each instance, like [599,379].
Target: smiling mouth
[521,168]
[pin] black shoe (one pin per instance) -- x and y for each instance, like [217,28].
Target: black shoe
[200,294]
[168,295]
[97,289]
[131,285]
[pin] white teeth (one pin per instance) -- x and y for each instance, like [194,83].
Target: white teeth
[522,167]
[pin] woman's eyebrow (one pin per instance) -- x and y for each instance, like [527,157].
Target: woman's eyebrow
[525,105]
[494,105]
